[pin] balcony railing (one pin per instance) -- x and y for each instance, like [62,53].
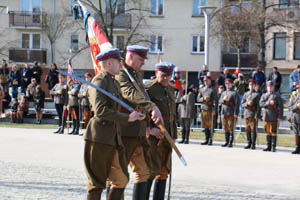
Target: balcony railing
[247,60]
[122,21]
[27,55]
[26,19]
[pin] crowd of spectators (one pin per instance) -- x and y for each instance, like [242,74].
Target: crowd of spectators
[20,85]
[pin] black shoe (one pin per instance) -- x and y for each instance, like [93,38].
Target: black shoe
[159,189]
[186,142]
[58,130]
[181,142]
[253,146]
[139,191]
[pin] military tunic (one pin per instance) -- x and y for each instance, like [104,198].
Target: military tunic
[208,106]
[84,103]
[271,112]
[60,95]
[74,100]
[295,117]
[103,154]
[230,107]
[252,111]
[134,133]
[164,98]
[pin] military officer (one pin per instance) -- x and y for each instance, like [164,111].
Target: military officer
[294,107]
[273,111]
[60,95]
[134,134]
[230,101]
[163,95]
[208,97]
[73,104]
[250,102]
[103,155]
[84,101]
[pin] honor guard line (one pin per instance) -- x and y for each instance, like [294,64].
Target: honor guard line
[130,109]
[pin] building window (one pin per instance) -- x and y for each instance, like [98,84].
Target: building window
[120,6]
[119,41]
[31,6]
[245,48]
[157,7]
[196,4]
[288,3]
[198,44]
[297,46]
[74,42]
[156,44]
[31,41]
[279,46]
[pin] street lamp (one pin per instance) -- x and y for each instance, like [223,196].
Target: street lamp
[208,11]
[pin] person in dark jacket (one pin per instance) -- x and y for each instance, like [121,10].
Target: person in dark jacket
[14,78]
[37,72]
[223,77]
[26,75]
[4,71]
[14,110]
[259,77]
[275,77]
[201,74]
[39,98]
[294,79]
[52,76]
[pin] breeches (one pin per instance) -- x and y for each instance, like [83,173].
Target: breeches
[228,123]
[270,128]
[206,116]
[250,124]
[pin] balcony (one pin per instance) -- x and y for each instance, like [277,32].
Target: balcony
[121,21]
[247,60]
[28,20]
[19,55]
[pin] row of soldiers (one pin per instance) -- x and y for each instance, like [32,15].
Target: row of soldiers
[116,138]
[69,100]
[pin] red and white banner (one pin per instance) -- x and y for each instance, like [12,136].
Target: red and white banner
[96,39]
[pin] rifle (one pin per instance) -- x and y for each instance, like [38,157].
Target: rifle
[129,108]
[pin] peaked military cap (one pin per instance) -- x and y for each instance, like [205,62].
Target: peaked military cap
[269,83]
[109,53]
[165,67]
[140,50]
[229,80]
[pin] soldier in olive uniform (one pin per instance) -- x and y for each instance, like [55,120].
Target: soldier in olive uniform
[74,87]
[134,134]
[84,101]
[294,107]
[162,94]
[60,94]
[103,155]
[273,111]
[250,102]
[230,101]
[208,97]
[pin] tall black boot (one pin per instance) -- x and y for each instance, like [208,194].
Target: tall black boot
[159,189]
[274,143]
[269,142]
[226,139]
[231,140]
[74,127]
[206,137]
[62,128]
[76,132]
[115,194]
[149,185]
[183,135]
[254,140]
[210,142]
[139,191]
[94,196]
[297,150]
[187,136]
[58,130]
[249,140]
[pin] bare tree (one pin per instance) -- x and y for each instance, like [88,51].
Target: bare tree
[54,28]
[113,14]
[236,24]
